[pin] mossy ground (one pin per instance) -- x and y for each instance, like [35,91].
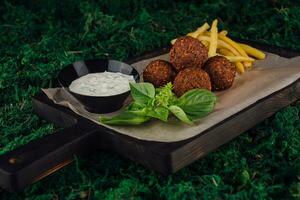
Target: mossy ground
[39,37]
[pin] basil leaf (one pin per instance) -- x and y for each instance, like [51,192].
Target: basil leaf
[134,106]
[180,114]
[142,93]
[164,96]
[159,113]
[197,103]
[126,118]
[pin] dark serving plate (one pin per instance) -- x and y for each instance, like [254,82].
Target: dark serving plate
[103,104]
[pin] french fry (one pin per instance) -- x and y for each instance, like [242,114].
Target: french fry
[253,51]
[239,66]
[207,33]
[199,30]
[237,47]
[233,44]
[224,32]
[206,43]
[195,34]
[220,44]
[213,39]
[225,52]
[173,41]
[239,58]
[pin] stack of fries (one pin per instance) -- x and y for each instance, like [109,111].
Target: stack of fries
[218,43]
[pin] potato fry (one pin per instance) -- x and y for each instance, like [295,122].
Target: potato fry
[220,44]
[173,41]
[233,44]
[207,33]
[213,39]
[237,47]
[199,30]
[225,52]
[239,66]
[239,58]
[206,43]
[253,51]
[248,64]
[223,43]
[224,32]
[196,33]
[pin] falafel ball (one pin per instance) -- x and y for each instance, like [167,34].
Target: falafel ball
[188,52]
[190,78]
[221,72]
[159,73]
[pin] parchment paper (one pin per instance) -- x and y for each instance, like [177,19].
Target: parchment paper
[267,76]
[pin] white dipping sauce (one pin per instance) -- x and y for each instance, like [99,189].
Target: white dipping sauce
[102,84]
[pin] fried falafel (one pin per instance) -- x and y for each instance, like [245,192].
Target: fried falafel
[188,52]
[159,73]
[190,78]
[220,71]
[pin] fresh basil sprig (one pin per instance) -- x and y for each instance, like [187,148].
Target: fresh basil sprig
[149,102]
[197,103]
[142,93]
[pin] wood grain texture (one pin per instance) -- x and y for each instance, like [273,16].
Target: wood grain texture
[233,126]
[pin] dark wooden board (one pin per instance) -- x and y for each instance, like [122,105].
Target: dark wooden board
[42,157]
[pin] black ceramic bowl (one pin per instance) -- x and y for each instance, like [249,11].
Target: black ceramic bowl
[101,104]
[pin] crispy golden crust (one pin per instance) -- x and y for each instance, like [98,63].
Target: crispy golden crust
[190,78]
[188,52]
[221,72]
[159,73]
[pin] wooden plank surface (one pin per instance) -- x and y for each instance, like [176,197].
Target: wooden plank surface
[233,126]
[168,158]
[165,158]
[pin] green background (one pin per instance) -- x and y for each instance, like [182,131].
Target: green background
[39,37]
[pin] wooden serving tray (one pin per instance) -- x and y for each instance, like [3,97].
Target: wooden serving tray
[37,159]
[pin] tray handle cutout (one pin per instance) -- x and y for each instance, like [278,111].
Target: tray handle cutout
[35,160]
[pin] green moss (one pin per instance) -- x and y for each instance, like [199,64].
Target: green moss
[39,37]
